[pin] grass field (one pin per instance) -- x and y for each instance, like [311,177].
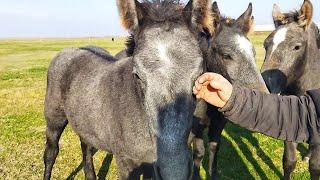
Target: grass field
[23,67]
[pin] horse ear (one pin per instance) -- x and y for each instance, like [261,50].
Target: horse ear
[246,20]
[199,15]
[318,40]
[305,14]
[278,17]
[215,9]
[130,13]
[216,14]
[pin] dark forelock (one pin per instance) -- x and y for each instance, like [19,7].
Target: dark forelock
[225,21]
[290,17]
[162,10]
[157,11]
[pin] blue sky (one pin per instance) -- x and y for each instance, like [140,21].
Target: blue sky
[84,18]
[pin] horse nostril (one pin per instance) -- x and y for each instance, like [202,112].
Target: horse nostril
[297,48]
[137,77]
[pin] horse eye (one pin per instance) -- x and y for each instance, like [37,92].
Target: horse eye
[297,47]
[205,33]
[226,56]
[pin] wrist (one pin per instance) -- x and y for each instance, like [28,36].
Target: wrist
[229,102]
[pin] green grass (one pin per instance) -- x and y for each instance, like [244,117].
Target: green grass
[23,66]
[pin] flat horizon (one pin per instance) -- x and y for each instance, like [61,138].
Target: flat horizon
[21,19]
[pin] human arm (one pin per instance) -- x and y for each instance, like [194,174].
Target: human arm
[288,118]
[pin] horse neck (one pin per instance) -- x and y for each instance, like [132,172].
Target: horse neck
[126,104]
[126,94]
[123,82]
[310,77]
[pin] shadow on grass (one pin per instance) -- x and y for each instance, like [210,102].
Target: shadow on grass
[237,134]
[102,174]
[231,164]
[75,172]
[105,167]
[304,151]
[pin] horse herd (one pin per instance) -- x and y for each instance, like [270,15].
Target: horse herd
[139,106]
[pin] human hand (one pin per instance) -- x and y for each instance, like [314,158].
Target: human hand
[213,88]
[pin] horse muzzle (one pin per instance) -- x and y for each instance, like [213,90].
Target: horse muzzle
[275,80]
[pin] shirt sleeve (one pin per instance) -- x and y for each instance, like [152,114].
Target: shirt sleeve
[289,118]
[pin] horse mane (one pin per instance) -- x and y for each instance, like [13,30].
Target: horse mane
[162,10]
[292,16]
[227,21]
[130,44]
[224,21]
[289,17]
[99,52]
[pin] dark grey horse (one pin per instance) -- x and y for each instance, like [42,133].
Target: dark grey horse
[292,66]
[140,108]
[232,55]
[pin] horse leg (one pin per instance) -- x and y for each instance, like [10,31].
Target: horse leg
[190,139]
[314,163]
[307,157]
[214,148]
[289,160]
[198,147]
[53,134]
[127,169]
[215,131]
[87,159]
[198,153]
